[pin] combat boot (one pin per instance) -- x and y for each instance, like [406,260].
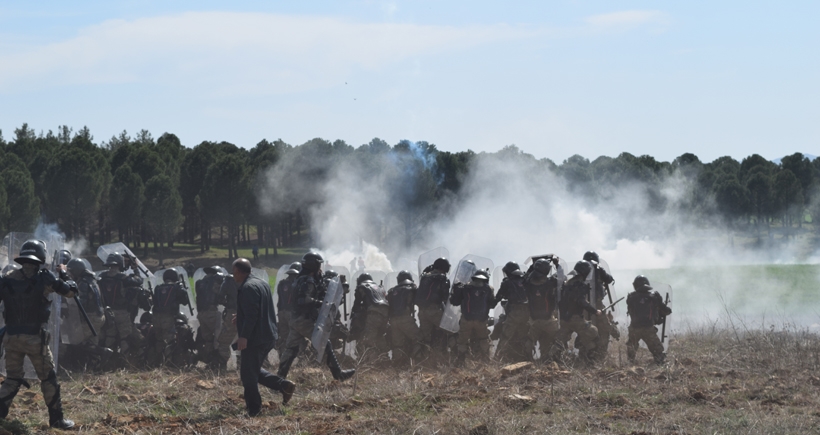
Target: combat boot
[56,419]
[335,368]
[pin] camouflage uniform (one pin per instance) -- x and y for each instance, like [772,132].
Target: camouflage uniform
[645,309]
[512,343]
[210,319]
[167,299]
[227,335]
[405,335]
[476,299]
[571,309]
[284,305]
[122,294]
[27,312]
[605,328]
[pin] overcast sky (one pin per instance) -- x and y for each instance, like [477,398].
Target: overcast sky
[555,78]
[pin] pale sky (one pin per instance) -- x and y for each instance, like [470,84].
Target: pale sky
[555,78]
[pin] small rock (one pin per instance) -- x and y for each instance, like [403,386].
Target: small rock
[205,385]
[515,368]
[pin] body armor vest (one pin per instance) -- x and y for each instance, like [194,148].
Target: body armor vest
[26,304]
[573,296]
[166,299]
[206,292]
[644,308]
[474,301]
[373,294]
[310,292]
[513,290]
[400,299]
[541,298]
[433,290]
[89,294]
[114,293]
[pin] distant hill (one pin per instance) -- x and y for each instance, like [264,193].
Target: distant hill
[811,157]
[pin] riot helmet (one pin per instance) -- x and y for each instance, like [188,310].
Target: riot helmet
[591,256]
[114,259]
[211,269]
[77,267]
[295,268]
[582,268]
[180,319]
[363,277]
[63,256]
[312,261]
[32,251]
[404,278]
[442,264]
[542,266]
[146,318]
[641,283]
[330,274]
[481,275]
[170,275]
[510,267]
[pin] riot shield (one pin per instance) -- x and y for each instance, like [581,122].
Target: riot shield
[281,274]
[190,310]
[327,316]
[347,300]
[105,250]
[429,257]
[261,274]
[462,275]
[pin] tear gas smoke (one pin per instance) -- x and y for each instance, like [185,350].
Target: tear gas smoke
[511,206]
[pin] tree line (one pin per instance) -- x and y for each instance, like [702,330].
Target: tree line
[142,190]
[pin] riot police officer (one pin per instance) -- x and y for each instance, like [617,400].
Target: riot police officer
[168,297]
[369,316]
[123,297]
[645,309]
[574,302]
[284,305]
[431,296]
[227,335]
[542,299]
[27,310]
[513,297]
[605,327]
[311,290]
[476,299]
[405,336]
[207,290]
[89,296]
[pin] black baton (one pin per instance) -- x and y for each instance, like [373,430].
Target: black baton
[85,316]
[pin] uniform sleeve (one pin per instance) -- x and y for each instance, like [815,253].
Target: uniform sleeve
[249,304]
[63,288]
[458,294]
[503,292]
[491,300]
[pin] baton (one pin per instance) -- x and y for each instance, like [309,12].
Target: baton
[612,305]
[663,329]
[85,316]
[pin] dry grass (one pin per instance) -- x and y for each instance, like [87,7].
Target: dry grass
[718,380]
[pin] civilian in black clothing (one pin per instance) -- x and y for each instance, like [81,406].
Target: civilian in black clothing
[256,326]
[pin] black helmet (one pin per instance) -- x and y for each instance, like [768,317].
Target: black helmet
[77,267]
[312,261]
[180,319]
[114,259]
[582,268]
[510,267]
[63,256]
[442,264]
[170,275]
[211,269]
[591,256]
[641,283]
[542,266]
[295,268]
[404,277]
[33,251]
[146,318]
[364,277]
[481,275]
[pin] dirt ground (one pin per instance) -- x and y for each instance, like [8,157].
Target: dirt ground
[716,381]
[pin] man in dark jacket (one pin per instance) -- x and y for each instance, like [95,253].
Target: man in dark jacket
[256,326]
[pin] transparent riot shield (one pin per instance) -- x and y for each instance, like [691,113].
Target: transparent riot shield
[346,303]
[327,316]
[462,275]
[281,274]
[429,257]
[190,310]
[105,250]
[261,274]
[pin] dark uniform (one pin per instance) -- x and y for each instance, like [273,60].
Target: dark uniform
[311,290]
[542,294]
[405,336]
[88,293]
[605,327]
[27,308]
[286,300]
[574,302]
[645,309]
[123,297]
[368,321]
[431,296]
[167,299]
[227,335]
[210,319]
[475,299]
[513,337]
